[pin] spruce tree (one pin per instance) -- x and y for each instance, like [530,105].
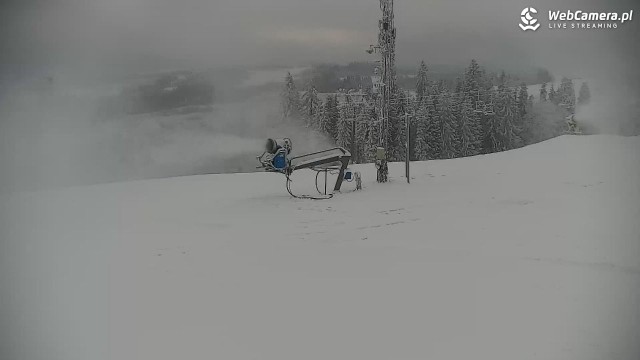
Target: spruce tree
[434,132]
[290,100]
[362,121]
[491,135]
[332,115]
[523,98]
[311,106]
[373,135]
[459,87]
[472,78]
[395,148]
[470,130]
[567,94]
[506,129]
[450,136]
[422,83]
[323,117]
[502,81]
[421,144]
[584,96]
[343,128]
[552,95]
[515,126]
[543,92]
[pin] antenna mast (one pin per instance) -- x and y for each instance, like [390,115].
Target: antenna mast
[387,49]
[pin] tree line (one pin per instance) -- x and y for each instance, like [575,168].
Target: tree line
[477,114]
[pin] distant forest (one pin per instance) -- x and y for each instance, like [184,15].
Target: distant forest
[449,115]
[180,91]
[329,78]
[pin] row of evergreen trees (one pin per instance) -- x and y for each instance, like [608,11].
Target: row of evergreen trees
[475,116]
[565,94]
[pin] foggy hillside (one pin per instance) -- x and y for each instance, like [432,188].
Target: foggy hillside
[58,133]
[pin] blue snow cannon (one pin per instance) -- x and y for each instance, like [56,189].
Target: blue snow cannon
[279,150]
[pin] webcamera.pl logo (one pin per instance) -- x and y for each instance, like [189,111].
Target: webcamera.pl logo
[574,19]
[528,21]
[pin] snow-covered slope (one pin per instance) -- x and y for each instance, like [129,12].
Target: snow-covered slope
[527,254]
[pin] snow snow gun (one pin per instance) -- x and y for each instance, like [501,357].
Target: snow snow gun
[276,158]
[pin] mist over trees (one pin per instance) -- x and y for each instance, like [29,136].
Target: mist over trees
[584,96]
[168,92]
[291,105]
[477,112]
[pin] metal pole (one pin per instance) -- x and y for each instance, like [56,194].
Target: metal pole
[353,139]
[406,162]
[325,182]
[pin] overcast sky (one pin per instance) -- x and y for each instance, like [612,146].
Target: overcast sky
[121,34]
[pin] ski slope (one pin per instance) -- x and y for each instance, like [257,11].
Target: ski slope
[528,254]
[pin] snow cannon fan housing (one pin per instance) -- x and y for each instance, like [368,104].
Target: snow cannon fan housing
[273,145]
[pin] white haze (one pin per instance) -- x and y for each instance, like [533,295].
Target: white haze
[57,137]
[614,108]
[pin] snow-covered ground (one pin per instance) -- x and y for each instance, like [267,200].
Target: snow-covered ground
[527,254]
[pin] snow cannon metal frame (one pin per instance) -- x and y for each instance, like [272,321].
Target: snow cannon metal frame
[276,158]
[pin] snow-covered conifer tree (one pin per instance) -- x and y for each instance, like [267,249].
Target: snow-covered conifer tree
[567,94]
[421,145]
[373,135]
[422,82]
[472,78]
[507,125]
[343,128]
[450,135]
[434,136]
[362,126]
[470,129]
[553,97]
[523,98]
[290,99]
[502,81]
[459,87]
[395,148]
[584,96]
[311,105]
[323,118]
[332,115]
[543,92]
